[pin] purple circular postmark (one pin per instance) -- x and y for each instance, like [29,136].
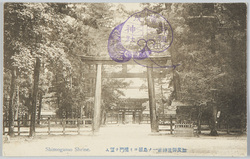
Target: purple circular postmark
[141,35]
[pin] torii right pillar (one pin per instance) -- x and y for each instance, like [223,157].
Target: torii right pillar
[152,101]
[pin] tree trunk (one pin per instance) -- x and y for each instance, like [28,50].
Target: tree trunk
[214,111]
[228,124]
[242,122]
[81,111]
[214,121]
[17,103]
[34,97]
[213,43]
[40,107]
[11,102]
[199,120]
[26,116]
[104,114]
[28,102]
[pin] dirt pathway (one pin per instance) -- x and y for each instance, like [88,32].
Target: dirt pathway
[125,140]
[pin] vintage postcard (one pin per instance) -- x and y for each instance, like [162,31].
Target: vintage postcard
[124,79]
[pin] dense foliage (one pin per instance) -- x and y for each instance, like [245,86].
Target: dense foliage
[210,44]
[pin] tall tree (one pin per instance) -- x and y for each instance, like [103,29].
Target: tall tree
[29,30]
[203,33]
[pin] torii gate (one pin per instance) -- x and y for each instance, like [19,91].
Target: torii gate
[99,61]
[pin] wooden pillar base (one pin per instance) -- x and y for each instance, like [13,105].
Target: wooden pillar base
[152,101]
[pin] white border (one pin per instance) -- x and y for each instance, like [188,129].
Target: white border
[123,1]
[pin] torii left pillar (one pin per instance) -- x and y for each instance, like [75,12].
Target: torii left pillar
[98,92]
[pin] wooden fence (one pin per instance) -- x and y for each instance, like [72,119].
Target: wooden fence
[51,126]
[167,123]
[66,126]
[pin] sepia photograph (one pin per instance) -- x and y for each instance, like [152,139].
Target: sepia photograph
[124,79]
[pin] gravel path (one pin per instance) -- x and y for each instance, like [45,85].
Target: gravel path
[126,140]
